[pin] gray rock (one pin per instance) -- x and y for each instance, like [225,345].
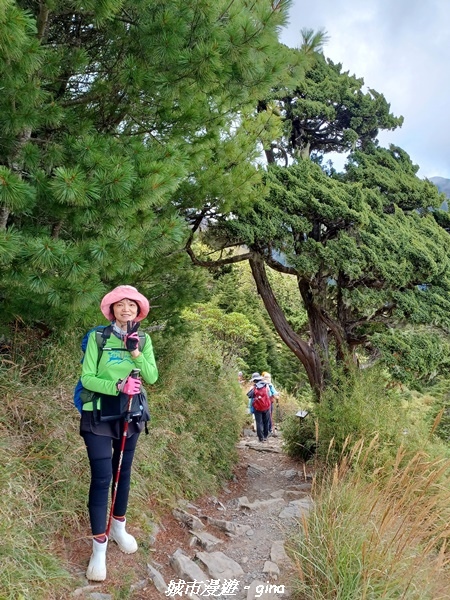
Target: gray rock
[278,494]
[306,487]
[258,504]
[139,585]
[84,590]
[220,566]
[229,526]
[186,568]
[157,579]
[271,568]
[290,473]
[154,534]
[205,539]
[278,553]
[296,509]
[191,521]
[255,470]
[294,494]
[185,505]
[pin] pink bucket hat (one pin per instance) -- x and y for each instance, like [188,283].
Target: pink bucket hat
[121,292]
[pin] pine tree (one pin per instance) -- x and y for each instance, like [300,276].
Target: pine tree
[106,109]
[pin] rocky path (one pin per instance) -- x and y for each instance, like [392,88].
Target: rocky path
[230,546]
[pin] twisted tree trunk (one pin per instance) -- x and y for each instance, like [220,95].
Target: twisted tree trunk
[302,350]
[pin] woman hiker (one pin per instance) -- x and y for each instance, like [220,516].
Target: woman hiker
[109,377]
[259,403]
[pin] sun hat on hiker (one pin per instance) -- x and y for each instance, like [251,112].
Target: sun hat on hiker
[256,377]
[121,292]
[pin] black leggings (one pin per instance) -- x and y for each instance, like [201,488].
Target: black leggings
[103,453]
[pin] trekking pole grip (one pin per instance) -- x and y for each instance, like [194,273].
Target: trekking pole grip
[135,373]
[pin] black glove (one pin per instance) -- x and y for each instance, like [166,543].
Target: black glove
[132,337]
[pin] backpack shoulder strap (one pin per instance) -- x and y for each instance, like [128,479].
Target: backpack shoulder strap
[102,335]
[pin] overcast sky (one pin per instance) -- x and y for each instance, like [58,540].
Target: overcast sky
[400,48]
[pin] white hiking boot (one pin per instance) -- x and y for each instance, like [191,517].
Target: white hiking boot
[124,540]
[96,570]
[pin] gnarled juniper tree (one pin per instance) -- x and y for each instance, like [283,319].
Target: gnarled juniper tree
[366,246]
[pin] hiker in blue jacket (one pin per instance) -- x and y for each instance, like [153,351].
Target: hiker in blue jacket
[274,395]
[109,377]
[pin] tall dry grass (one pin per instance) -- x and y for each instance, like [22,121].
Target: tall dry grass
[380,534]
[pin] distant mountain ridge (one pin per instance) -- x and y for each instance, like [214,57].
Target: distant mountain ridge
[443,185]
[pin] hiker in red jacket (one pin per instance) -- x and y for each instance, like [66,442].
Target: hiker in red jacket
[260,402]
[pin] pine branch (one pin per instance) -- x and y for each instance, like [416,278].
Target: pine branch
[215,264]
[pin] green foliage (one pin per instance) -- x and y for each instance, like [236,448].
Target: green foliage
[443,429]
[299,437]
[328,111]
[41,479]
[197,415]
[414,357]
[439,416]
[367,246]
[234,291]
[364,407]
[231,330]
[114,116]
[366,251]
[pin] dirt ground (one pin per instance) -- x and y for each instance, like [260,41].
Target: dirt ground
[262,471]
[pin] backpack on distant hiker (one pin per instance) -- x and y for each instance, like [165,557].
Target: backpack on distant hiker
[102,335]
[261,398]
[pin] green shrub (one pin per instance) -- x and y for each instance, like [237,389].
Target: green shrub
[299,436]
[366,407]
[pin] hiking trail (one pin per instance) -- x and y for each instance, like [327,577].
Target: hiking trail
[225,546]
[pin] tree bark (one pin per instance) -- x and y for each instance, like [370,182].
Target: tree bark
[4,215]
[317,328]
[302,350]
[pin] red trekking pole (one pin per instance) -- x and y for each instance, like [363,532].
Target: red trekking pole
[134,374]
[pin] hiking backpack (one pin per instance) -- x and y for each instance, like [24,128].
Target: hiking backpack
[102,335]
[261,398]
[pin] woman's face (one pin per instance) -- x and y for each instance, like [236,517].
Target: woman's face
[125,310]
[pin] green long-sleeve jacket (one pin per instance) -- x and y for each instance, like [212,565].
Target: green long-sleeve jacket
[114,365]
